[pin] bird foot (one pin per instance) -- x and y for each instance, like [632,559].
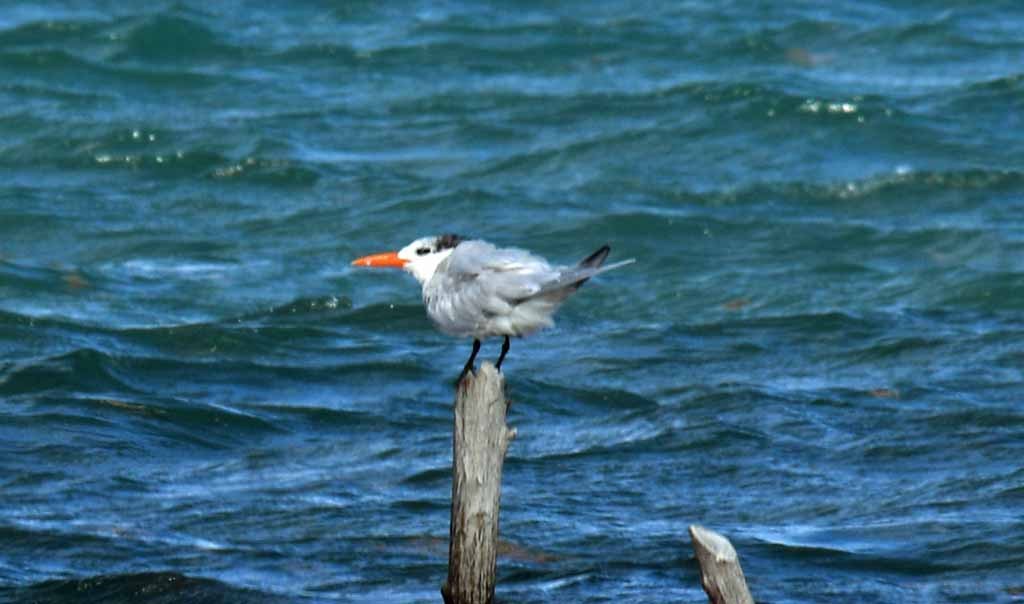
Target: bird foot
[468,367]
[462,378]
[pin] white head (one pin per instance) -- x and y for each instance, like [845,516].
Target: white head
[423,256]
[420,258]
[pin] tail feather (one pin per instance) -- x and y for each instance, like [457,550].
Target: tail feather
[614,265]
[597,258]
[573,278]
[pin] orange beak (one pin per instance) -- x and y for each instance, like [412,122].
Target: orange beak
[385,260]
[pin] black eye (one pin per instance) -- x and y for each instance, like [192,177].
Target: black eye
[423,251]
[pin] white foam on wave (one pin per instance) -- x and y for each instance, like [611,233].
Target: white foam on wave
[600,434]
[141,267]
[114,530]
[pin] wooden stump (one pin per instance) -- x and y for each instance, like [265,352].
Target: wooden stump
[720,572]
[480,440]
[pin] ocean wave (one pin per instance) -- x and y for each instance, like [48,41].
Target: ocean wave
[126,423]
[278,339]
[397,317]
[941,31]
[989,421]
[901,183]
[64,31]
[154,587]
[54,91]
[903,187]
[162,154]
[66,66]
[171,39]
[991,291]
[322,417]
[31,277]
[608,430]
[83,370]
[834,556]
[1010,83]
[156,151]
[302,309]
[335,53]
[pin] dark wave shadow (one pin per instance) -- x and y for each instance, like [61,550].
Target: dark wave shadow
[149,588]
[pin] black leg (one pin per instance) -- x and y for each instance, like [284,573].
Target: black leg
[504,351]
[469,363]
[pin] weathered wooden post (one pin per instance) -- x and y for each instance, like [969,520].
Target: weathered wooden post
[480,440]
[720,572]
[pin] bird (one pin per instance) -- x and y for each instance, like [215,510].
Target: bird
[471,288]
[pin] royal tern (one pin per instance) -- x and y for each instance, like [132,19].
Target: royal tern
[473,289]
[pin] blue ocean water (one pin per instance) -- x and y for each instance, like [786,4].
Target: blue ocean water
[818,353]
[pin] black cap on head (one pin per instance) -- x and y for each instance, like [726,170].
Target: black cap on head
[448,241]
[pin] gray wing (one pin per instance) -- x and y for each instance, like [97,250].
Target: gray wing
[510,274]
[477,289]
[516,275]
[482,290]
